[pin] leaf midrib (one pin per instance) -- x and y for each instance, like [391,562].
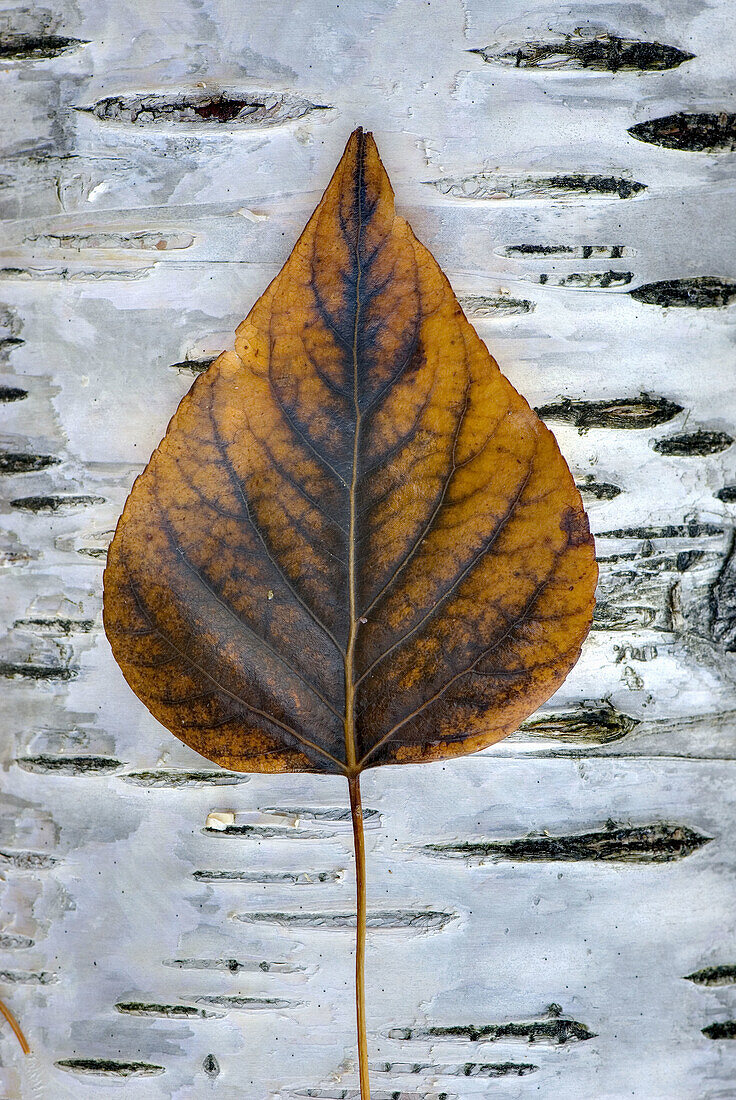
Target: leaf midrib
[350,745]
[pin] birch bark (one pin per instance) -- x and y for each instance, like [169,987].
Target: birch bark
[168,931]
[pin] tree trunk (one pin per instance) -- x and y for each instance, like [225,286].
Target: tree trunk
[168,922]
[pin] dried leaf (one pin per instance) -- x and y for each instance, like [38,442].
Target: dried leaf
[356,544]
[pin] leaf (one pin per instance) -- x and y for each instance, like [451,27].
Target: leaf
[356,544]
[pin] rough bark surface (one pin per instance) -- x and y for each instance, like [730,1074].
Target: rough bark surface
[171,930]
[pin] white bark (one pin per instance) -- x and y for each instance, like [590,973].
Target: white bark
[130,246]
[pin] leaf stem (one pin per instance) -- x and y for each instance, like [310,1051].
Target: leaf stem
[356,810]
[16,1028]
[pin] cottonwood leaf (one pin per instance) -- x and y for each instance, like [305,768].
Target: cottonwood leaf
[356,544]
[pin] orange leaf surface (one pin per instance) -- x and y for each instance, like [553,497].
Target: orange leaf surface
[356,544]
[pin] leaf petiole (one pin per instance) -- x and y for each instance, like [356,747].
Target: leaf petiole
[17,1031]
[356,811]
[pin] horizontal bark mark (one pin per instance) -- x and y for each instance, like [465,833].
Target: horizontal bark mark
[54,503]
[696,444]
[501,305]
[568,251]
[135,241]
[255,110]
[264,832]
[13,671]
[27,977]
[176,779]
[10,941]
[108,1067]
[75,274]
[590,489]
[465,1069]
[12,393]
[26,861]
[554,1028]
[645,411]
[246,1003]
[327,815]
[235,966]
[655,843]
[36,47]
[164,1011]
[727,494]
[382,919]
[278,878]
[354,1094]
[692,530]
[572,185]
[700,292]
[726,1029]
[591,51]
[696,133]
[714,975]
[587,725]
[46,763]
[584,280]
[55,625]
[15,462]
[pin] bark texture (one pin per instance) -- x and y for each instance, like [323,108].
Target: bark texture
[539,922]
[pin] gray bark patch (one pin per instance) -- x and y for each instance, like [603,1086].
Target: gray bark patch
[211,1066]
[107,1067]
[176,778]
[655,843]
[28,671]
[714,975]
[555,1028]
[693,530]
[279,878]
[500,305]
[700,292]
[598,724]
[591,489]
[164,1011]
[46,763]
[698,133]
[14,462]
[381,919]
[36,47]
[596,52]
[585,280]
[54,503]
[200,110]
[235,966]
[571,185]
[723,604]
[568,251]
[464,1069]
[644,411]
[726,1029]
[686,444]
